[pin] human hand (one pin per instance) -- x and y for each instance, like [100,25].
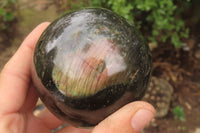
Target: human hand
[18,99]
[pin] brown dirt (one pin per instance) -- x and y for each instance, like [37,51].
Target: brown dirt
[182,70]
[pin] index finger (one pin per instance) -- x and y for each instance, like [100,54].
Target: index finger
[16,74]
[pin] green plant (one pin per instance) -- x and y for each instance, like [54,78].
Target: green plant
[7,13]
[179,113]
[158,18]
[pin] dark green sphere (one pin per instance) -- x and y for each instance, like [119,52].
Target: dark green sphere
[88,64]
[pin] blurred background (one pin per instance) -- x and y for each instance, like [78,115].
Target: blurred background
[171,28]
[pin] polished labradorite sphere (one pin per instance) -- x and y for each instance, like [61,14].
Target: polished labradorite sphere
[88,64]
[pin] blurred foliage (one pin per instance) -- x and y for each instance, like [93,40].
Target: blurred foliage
[7,13]
[179,113]
[159,19]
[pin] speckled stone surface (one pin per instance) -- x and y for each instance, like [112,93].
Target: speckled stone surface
[159,94]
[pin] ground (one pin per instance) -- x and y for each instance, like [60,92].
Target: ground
[183,72]
[180,67]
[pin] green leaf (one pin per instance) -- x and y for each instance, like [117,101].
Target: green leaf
[8,16]
[176,40]
[155,32]
[164,38]
[185,33]
[1,11]
[179,113]
[152,39]
[179,25]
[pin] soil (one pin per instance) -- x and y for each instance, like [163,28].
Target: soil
[181,67]
[182,70]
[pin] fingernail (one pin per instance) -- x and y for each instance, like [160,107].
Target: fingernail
[141,118]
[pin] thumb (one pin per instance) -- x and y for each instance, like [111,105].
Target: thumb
[131,118]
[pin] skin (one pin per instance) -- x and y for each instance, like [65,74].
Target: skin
[18,99]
